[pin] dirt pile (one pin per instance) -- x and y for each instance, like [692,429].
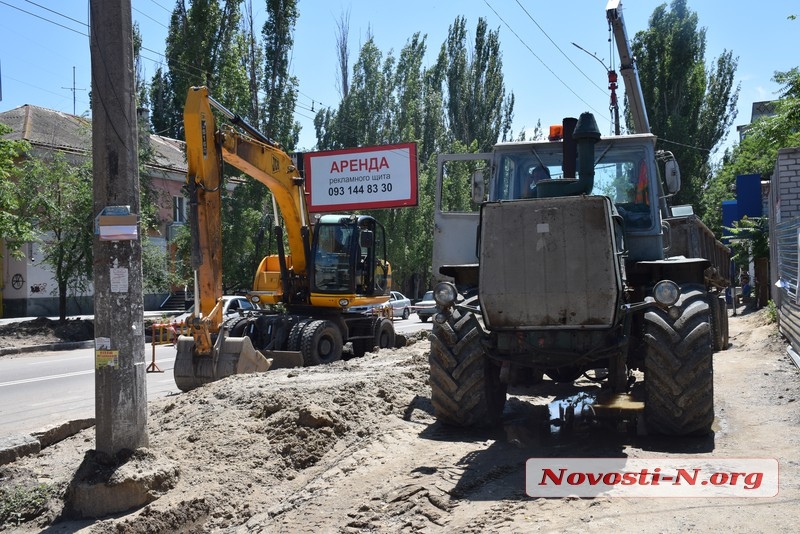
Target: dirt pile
[44,331]
[353,447]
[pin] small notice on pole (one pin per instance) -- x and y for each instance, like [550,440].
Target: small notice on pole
[117,223]
[119,280]
[103,355]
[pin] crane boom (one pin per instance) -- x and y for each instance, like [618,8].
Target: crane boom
[630,74]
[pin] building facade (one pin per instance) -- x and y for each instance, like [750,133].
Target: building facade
[28,287]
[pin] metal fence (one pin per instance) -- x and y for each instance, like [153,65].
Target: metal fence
[785,247]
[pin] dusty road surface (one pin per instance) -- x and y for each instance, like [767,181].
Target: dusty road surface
[353,447]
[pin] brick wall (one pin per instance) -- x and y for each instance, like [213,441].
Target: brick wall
[784,218]
[786,180]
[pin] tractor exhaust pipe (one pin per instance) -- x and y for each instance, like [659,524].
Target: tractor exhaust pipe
[586,135]
[580,137]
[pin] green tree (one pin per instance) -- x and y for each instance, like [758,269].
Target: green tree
[203,48]
[690,106]
[757,152]
[750,240]
[279,85]
[398,100]
[254,62]
[478,108]
[58,195]
[14,230]
[247,220]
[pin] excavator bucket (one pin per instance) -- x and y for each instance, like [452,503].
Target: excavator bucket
[234,355]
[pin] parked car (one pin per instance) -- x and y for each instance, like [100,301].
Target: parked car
[231,306]
[426,307]
[401,306]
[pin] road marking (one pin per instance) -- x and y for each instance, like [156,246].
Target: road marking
[62,359]
[41,378]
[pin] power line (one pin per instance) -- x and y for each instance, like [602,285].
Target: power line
[540,59]
[57,13]
[142,13]
[162,7]
[558,48]
[45,19]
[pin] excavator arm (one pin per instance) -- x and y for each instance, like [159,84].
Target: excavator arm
[315,284]
[262,159]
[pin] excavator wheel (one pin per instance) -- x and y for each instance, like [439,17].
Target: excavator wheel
[296,334]
[321,343]
[384,333]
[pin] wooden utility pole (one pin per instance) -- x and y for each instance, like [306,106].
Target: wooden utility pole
[120,385]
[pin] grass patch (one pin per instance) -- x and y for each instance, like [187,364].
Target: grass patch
[20,504]
[772,312]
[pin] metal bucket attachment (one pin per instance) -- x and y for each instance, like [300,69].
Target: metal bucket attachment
[190,372]
[236,355]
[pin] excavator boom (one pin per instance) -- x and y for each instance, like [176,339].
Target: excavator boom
[313,284]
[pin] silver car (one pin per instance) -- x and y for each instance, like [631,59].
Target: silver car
[401,306]
[231,305]
[426,308]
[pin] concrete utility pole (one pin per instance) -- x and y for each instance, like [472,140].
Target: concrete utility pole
[120,385]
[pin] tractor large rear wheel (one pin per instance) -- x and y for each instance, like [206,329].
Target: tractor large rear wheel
[719,321]
[465,384]
[679,377]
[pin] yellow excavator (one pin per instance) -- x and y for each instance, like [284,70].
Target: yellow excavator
[301,296]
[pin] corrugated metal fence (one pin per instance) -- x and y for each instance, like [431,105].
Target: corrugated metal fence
[786,243]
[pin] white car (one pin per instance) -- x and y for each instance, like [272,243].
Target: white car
[231,306]
[401,306]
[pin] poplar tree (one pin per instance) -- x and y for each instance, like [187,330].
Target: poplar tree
[690,105]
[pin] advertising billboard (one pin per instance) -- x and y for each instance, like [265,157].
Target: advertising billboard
[362,178]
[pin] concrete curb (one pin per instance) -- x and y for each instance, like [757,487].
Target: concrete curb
[14,447]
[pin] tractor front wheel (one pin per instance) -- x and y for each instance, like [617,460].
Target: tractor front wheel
[465,383]
[679,377]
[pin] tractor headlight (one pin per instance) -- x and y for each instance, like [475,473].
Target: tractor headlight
[445,294]
[343,303]
[666,292]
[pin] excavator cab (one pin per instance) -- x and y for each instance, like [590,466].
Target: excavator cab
[349,257]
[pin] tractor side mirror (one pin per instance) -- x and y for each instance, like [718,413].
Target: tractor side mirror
[672,176]
[366,238]
[478,186]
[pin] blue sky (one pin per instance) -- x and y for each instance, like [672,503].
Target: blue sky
[550,77]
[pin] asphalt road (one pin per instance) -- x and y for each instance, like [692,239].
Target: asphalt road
[40,389]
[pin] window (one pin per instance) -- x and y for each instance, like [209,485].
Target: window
[178,209]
